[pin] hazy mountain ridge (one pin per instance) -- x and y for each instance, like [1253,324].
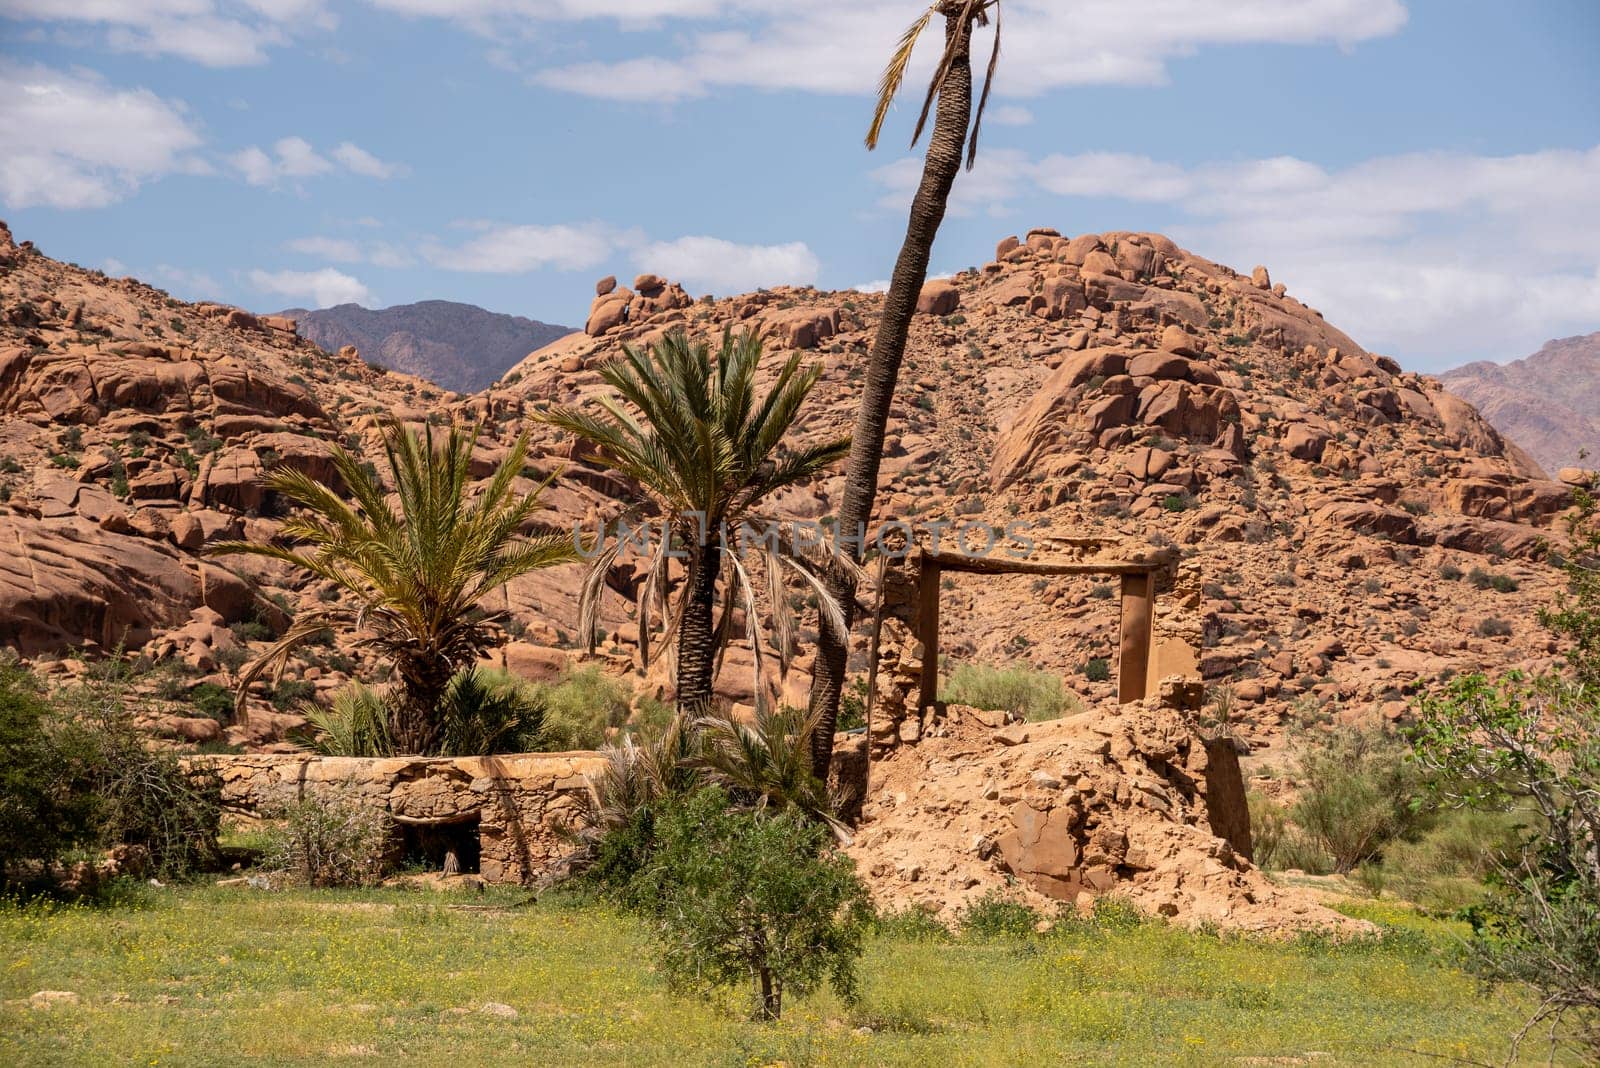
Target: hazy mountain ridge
[460,346]
[1549,402]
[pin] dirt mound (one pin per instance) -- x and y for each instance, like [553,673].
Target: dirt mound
[1113,800]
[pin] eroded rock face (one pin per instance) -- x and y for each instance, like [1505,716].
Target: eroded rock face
[65,582]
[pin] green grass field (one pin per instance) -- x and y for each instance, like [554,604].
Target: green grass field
[208,976]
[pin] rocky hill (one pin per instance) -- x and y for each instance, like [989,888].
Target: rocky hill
[1548,402]
[1349,530]
[459,346]
[1349,533]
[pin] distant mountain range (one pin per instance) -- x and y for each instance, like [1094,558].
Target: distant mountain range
[1549,403]
[459,346]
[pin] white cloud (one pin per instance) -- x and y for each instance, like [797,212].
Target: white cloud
[344,250]
[295,157]
[324,288]
[710,263]
[196,30]
[1009,115]
[72,141]
[518,249]
[1436,257]
[1001,175]
[880,285]
[196,285]
[327,248]
[358,160]
[754,43]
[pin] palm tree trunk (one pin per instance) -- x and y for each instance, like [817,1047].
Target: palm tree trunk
[697,652]
[883,367]
[418,730]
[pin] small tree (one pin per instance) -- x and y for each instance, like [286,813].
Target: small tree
[1535,743]
[706,450]
[1359,793]
[739,896]
[413,577]
[47,805]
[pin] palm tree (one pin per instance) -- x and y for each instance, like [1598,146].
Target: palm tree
[413,578]
[706,451]
[952,88]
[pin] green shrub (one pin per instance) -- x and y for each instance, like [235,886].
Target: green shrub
[996,916]
[754,897]
[581,708]
[291,692]
[146,797]
[483,711]
[328,842]
[76,773]
[1359,792]
[1493,627]
[1097,669]
[212,700]
[46,778]
[1024,691]
[914,923]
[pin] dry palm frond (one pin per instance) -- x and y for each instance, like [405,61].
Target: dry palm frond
[988,83]
[894,74]
[972,13]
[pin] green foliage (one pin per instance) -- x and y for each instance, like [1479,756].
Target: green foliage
[1024,691]
[482,712]
[146,797]
[1534,743]
[356,724]
[853,705]
[412,578]
[76,773]
[212,700]
[581,708]
[324,842]
[1575,617]
[1359,792]
[46,778]
[766,764]
[1097,669]
[736,896]
[707,450]
[997,916]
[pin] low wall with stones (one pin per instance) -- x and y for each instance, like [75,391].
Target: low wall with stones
[517,804]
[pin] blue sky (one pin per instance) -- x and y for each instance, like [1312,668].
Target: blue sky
[1426,172]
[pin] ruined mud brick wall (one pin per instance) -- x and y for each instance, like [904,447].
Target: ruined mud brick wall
[519,805]
[910,595]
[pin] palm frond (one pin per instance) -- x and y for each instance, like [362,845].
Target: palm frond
[894,74]
[988,82]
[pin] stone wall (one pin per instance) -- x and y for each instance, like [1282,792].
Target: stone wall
[517,805]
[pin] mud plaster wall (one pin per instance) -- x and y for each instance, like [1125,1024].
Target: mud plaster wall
[519,803]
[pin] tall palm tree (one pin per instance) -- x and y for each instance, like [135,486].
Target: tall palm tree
[413,578]
[951,87]
[706,451]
